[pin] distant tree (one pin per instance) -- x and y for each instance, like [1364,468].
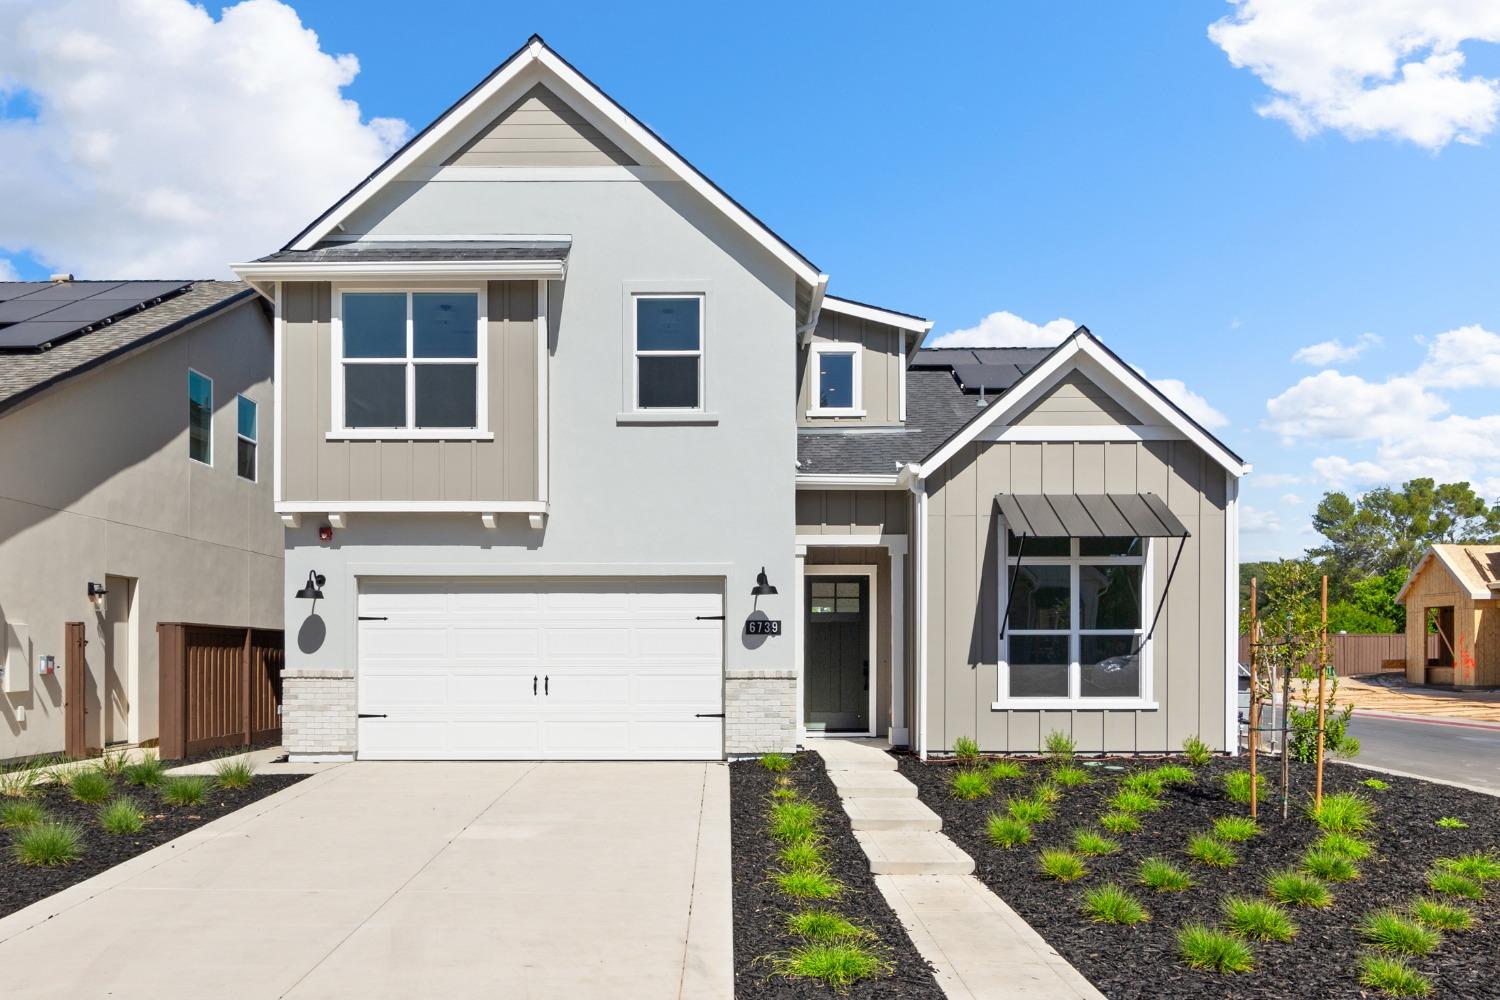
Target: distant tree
[1387,530]
[1345,616]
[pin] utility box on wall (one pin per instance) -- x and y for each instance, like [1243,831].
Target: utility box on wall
[17,663]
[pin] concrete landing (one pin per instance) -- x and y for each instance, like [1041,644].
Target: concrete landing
[855,755]
[861,783]
[913,852]
[891,814]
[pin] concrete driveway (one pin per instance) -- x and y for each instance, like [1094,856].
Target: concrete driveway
[375,880]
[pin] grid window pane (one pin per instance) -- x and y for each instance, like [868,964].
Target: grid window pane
[836,381]
[668,383]
[1042,598]
[445,395]
[374,395]
[245,459]
[1109,597]
[1040,546]
[246,418]
[1111,546]
[444,325]
[847,605]
[848,589]
[200,418]
[1108,668]
[823,590]
[374,325]
[667,324]
[1038,666]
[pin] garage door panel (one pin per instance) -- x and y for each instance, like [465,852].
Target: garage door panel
[495,642]
[687,642]
[494,736]
[386,641]
[506,691]
[587,640]
[411,689]
[679,689]
[595,689]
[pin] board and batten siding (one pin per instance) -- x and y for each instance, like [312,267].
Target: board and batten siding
[317,469]
[852,512]
[963,586]
[1075,401]
[539,130]
[881,361]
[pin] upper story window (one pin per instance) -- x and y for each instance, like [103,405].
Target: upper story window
[410,363]
[668,352]
[200,418]
[247,438]
[837,376]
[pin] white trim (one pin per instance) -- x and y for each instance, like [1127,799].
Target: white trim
[875,314]
[596,174]
[1082,345]
[278,380]
[338,519]
[1074,432]
[543,389]
[814,309]
[239,436]
[896,543]
[397,270]
[853,481]
[406,434]
[210,463]
[536,54]
[1231,613]
[901,387]
[799,650]
[872,574]
[634,295]
[449,237]
[1074,705]
[898,734]
[920,487]
[291,520]
[416,507]
[856,378]
[658,416]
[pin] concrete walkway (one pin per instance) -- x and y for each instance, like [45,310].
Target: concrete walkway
[375,880]
[980,948]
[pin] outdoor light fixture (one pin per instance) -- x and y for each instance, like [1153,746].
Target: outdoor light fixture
[96,596]
[313,591]
[762,586]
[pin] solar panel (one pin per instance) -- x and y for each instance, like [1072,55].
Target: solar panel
[38,315]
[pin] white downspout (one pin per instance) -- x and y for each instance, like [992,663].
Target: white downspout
[1232,613]
[918,486]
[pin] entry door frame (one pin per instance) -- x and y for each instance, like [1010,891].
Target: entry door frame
[872,591]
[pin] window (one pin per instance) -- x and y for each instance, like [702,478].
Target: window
[669,352]
[245,458]
[836,380]
[411,361]
[200,418]
[1076,621]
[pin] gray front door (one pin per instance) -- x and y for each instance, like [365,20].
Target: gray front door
[837,655]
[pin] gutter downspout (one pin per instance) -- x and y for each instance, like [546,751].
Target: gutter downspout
[911,478]
[814,310]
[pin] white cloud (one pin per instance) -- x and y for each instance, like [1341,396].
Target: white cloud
[1006,329]
[1368,68]
[1290,499]
[1329,352]
[8,270]
[1330,405]
[1254,521]
[1271,480]
[1190,402]
[1461,359]
[169,144]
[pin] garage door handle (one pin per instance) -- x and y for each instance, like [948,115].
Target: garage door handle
[533,685]
[547,684]
[372,715]
[709,715]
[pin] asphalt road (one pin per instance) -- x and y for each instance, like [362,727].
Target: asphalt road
[1430,750]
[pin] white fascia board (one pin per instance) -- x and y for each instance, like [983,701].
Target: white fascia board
[832,480]
[414,507]
[256,273]
[449,238]
[875,314]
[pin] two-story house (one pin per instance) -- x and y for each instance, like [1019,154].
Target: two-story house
[578,459]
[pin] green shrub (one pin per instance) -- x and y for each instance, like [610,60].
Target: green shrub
[1481,866]
[1393,933]
[1120,822]
[1111,904]
[1296,889]
[1376,784]
[1173,774]
[966,784]
[1197,752]
[966,750]
[20,814]
[1005,770]
[1255,918]
[1068,776]
[238,772]
[1328,866]
[1237,786]
[802,855]
[145,773]
[1163,876]
[1453,884]
[1345,846]
[1392,976]
[824,925]
[776,762]
[122,816]
[1064,866]
[1303,740]
[1203,848]
[1146,782]
[1442,916]
[1214,950]
[1006,831]
[90,786]
[783,794]
[1046,792]
[185,790]
[21,782]
[1060,745]
[47,844]
[1235,829]
[1029,810]
[791,821]
[1452,823]
[1091,844]
[1128,801]
[839,964]
[1342,812]
[801,883]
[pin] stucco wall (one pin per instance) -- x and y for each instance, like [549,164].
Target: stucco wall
[97,481]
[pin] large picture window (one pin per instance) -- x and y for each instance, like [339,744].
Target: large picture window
[411,361]
[1077,613]
[669,352]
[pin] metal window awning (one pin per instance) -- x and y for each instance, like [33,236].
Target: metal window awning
[1090,515]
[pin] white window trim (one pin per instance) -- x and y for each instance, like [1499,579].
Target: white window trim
[210,462]
[342,432]
[815,365]
[634,399]
[254,441]
[1074,701]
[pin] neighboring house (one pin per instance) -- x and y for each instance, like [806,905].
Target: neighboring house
[1455,592]
[135,452]
[577,458]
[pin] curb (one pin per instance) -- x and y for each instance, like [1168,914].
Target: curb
[1493,792]
[1431,720]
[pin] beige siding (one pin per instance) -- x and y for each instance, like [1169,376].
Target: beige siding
[881,361]
[539,130]
[1076,401]
[317,469]
[1188,652]
[852,512]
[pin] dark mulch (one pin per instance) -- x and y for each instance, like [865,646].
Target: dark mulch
[21,885]
[760,912]
[215,754]
[1322,961]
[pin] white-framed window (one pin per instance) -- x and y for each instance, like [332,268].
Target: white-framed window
[836,380]
[200,417]
[247,438]
[667,343]
[410,363]
[1075,637]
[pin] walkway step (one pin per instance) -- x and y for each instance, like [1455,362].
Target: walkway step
[913,852]
[870,784]
[855,755]
[891,814]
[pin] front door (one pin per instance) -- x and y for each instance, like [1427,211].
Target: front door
[837,655]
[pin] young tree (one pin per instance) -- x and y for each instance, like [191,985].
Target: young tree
[1386,529]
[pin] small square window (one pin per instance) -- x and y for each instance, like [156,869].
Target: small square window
[668,352]
[835,379]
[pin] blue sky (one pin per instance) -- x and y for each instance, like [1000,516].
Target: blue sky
[1100,162]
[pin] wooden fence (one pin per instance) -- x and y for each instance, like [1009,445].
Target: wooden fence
[1352,653]
[219,687]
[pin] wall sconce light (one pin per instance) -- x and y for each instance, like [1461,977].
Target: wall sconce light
[762,586]
[313,590]
[96,596]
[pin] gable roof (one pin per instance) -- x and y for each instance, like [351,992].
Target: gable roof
[24,375]
[1476,568]
[536,53]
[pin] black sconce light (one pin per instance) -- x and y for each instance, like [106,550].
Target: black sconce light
[96,596]
[762,586]
[313,590]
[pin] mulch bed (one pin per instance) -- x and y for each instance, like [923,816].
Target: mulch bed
[21,885]
[1321,961]
[760,912]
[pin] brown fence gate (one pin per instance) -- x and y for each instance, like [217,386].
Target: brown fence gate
[219,687]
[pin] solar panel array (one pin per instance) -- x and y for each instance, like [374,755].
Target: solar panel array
[38,315]
[984,369]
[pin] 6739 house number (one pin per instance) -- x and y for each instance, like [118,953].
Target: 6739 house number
[763,626]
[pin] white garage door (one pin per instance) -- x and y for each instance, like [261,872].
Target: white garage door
[525,669]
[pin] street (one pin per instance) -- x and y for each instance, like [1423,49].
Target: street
[1430,749]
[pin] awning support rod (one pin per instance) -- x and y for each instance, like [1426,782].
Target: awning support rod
[1181,544]
[1010,591]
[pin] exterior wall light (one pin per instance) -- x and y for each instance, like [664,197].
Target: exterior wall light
[313,590]
[762,586]
[96,596]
